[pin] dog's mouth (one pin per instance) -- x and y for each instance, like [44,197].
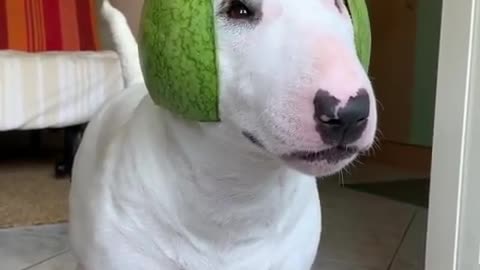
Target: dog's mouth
[330,155]
[254,140]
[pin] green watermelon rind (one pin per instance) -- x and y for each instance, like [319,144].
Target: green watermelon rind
[361,25]
[177,50]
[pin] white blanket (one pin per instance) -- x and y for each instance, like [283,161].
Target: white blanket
[55,89]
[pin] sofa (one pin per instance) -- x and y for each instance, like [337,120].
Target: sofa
[55,71]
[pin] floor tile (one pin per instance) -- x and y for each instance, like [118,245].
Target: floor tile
[411,255]
[347,209]
[23,247]
[360,228]
[64,261]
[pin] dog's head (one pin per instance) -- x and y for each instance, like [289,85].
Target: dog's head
[286,82]
[291,82]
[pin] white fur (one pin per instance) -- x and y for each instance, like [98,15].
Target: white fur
[153,191]
[124,42]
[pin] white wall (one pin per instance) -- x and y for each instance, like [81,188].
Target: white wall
[469,240]
[454,213]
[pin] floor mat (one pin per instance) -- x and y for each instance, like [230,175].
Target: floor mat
[30,195]
[29,192]
[415,191]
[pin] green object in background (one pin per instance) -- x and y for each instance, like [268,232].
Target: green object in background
[361,25]
[178,57]
[178,54]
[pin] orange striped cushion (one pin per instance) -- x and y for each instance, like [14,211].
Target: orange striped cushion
[48,25]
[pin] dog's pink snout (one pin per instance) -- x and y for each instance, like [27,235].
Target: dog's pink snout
[336,68]
[342,101]
[339,69]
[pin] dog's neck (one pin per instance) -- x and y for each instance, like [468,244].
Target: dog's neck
[215,161]
[222,189]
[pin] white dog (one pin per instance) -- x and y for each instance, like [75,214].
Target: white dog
[153,191]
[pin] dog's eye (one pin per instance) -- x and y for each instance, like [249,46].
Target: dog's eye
[239,11]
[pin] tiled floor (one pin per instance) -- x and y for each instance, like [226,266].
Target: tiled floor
[361,232]
[366,232]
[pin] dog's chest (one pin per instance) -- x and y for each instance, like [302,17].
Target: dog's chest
[279,254]
[295,247]
[166,246]
[259,257]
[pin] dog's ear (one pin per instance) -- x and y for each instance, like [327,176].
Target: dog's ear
[361,24]
[178,56]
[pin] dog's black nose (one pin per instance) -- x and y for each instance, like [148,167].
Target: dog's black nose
[341,125]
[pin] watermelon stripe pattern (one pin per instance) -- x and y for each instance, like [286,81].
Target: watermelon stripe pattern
[48,25]
[178,57]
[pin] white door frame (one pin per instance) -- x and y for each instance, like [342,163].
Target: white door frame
[452,213]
